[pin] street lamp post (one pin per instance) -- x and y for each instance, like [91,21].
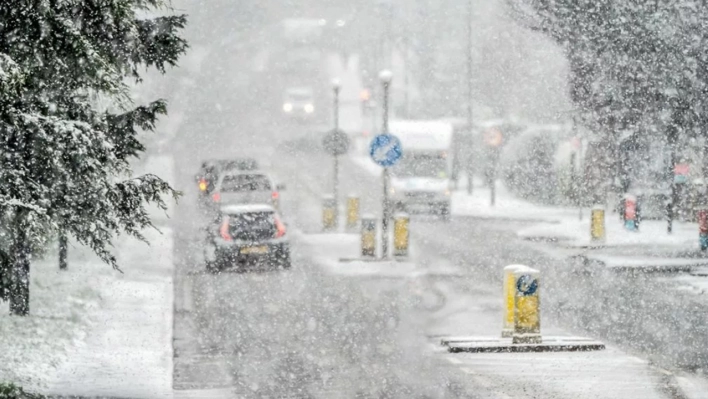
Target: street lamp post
[385,77]
[336,86]
[468,163]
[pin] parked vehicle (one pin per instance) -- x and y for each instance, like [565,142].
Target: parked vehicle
[420,181]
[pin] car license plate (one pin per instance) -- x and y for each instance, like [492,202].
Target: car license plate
[254,250]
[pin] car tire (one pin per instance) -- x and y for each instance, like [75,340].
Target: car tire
[212,267]
[282,258]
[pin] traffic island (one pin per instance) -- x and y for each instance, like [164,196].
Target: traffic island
[506,345]
[521,322]
[367,240]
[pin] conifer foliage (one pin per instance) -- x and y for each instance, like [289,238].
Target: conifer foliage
[68,129]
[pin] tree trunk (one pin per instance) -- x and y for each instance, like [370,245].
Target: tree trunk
[19,275]
[63,249]
[5,272]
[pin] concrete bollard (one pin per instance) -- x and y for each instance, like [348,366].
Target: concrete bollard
[703,228]
[509,289]
[401,236]
[527,310]
[597,223]
[329,214]
[368,237]
[352,212]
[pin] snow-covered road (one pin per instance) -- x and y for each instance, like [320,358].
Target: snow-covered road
[322,331]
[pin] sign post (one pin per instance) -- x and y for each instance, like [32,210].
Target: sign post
[494,139]
[336,142]
[385,150]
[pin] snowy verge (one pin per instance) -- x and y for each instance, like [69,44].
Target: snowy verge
[576,233]
[647,262]
[93,331]
[32,347]
[506,205]
[126,350]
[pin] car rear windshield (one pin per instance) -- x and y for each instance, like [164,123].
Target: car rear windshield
[252,225]
[237,183]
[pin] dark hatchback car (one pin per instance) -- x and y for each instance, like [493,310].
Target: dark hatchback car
[244,235]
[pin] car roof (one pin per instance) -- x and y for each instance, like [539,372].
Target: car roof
[243,163]
[246,208]
[238,172]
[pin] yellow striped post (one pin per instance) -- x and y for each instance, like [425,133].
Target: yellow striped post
[329,213]
[368,237]
[527,307]
[509,289]
[401,237]
[352,212]
[597,224]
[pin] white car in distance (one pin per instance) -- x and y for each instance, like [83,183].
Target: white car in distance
[299,102]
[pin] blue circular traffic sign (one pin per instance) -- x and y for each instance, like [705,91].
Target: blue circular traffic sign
[526,285]
[385,149]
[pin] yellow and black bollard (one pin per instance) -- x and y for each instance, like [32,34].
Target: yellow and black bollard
[527,310]
[597,224]
[329,214]
[401,237]
[509,290]
[352,212]
[368,237]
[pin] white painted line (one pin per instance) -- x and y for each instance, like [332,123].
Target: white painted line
[453,360]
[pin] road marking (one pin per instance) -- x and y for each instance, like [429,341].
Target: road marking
[453,360]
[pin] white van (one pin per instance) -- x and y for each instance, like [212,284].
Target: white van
[420,181]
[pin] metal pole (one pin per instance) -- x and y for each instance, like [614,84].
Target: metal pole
[385,108]
[671,204]
[335,187]
[470,168]
[386,216]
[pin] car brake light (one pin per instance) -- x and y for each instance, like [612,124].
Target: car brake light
[202,185]
[280,227]
[275,195]
[216,197]
[224,230]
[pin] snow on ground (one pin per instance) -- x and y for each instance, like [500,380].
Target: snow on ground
[127,349]
[647,262]
[506,206]
[693,386]
[95,331]
[32,347]
[603,374]
[652,232]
